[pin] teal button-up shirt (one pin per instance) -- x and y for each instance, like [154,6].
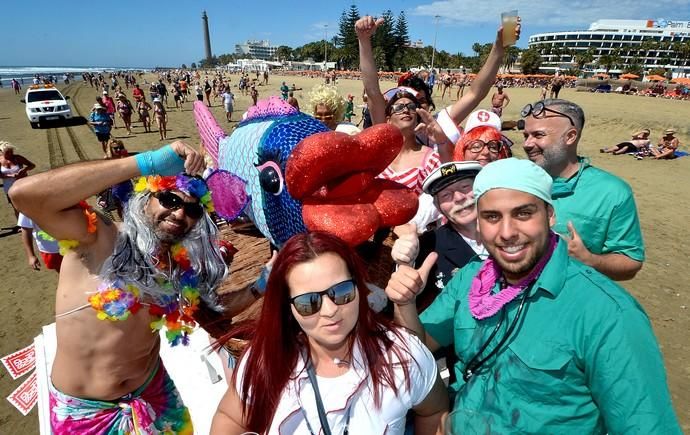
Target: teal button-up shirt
[582,359]
[602,209]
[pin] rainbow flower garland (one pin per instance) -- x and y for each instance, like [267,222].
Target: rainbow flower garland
[115,301]
[192,186]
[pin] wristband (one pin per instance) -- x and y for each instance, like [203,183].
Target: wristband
[258,289]
[163,161]
[448,126]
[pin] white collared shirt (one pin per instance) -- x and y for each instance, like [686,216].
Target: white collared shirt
[354,389]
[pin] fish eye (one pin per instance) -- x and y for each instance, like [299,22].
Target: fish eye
[270,178]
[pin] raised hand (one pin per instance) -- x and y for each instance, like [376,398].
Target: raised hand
[406,248]
[193,161]
[407,282]
[366,26]
[433,129]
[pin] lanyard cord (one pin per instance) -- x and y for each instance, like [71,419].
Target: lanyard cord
[473,365]
[319,407]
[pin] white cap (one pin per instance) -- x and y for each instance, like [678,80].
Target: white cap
[449,173]
[480,118]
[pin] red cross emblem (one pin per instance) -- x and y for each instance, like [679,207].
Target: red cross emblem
[483,116]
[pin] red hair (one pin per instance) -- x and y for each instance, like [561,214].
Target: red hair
[484,133]
[278,340]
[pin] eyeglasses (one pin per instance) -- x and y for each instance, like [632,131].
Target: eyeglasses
[400,107]
[478,146]
[310,303]
[118,148]
[323,117]
[539,109]
[171,201]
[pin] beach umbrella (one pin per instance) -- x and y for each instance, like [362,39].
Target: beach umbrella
[681,80]
[630,76]
[656,78]
[602,75]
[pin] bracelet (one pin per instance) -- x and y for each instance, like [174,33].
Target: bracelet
[258,288]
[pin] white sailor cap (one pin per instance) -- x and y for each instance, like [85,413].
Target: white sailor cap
[449,173]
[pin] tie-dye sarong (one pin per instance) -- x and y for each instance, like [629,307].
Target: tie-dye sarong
[154,408]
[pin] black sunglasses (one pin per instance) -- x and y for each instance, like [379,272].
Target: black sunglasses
[400,107]
[539,109]
[171,201]
[310,303]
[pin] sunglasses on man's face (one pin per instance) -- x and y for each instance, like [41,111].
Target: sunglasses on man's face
[324,117]
[171,201]
[310,303]
[401,107]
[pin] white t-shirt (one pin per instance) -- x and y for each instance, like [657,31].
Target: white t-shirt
[227,98]
[44,245]
[354,390]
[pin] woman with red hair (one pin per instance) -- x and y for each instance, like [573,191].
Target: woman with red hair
[321,361]
[482,140]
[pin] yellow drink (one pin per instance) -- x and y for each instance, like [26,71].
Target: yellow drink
[509,21]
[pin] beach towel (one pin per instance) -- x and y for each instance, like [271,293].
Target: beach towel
[155,407]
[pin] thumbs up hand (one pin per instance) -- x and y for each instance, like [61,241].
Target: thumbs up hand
[406,248]
[407,282]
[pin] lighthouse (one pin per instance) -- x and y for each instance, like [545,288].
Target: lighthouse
[207,37]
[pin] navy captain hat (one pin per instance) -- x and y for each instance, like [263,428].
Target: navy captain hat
[449,173]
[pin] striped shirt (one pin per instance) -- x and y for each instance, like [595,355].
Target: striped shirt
[413,178]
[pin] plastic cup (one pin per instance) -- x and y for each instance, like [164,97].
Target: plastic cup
[509,20]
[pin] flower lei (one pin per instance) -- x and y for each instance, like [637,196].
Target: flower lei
[115,301]
[192,186]
[483,303]
[67,245]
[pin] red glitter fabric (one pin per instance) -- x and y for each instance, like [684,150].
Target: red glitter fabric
[333,174]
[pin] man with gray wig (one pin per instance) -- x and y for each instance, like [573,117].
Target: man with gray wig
[595,210]
[120,281]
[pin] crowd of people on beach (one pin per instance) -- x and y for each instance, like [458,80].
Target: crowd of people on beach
[510,271]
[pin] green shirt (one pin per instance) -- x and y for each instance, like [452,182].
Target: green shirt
[602,209]
[582,359]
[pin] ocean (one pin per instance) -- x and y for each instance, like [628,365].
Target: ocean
[8,73]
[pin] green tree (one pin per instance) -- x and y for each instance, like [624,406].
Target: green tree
[384,38]
[402,41]
[511,56]
[184,66]
[530,61]
[283,52]
[347,38]
[582,58]
[610,60]
[193,65]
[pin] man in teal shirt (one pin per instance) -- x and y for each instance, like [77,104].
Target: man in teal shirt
[595,210]
[545,343]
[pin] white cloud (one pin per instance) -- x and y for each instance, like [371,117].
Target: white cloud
[562,14]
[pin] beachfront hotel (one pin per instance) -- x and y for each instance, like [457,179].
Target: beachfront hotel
[256,49]
[652,42]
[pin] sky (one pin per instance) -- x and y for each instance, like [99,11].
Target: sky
[130,33]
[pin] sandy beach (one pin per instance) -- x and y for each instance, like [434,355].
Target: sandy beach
[27,297]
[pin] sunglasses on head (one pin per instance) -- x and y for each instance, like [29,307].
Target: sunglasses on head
[538,110]
[389,94]
[171,201]
[478,146]
[310,303]
[400,107]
